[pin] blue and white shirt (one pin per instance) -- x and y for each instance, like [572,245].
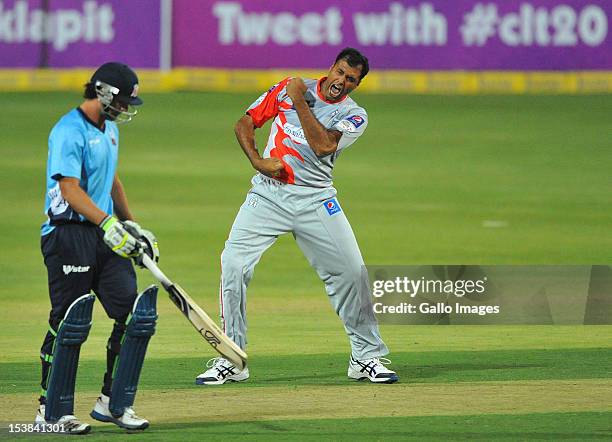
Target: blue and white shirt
[79,149]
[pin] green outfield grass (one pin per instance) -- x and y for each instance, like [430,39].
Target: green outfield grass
[419,187]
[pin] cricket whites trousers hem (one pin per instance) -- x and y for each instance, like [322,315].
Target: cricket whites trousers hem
[323,233]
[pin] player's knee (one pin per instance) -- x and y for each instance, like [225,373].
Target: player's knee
[74,329]
[355,277]
[144,316]
[232,263]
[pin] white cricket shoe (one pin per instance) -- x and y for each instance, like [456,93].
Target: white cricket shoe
[373,369]
[68,423]
[220,370]
[127,420]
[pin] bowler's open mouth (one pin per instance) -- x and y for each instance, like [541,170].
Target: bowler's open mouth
[335,90]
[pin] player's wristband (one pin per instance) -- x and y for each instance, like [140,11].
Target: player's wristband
[107,222]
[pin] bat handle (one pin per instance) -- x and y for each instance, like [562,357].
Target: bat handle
[159,275]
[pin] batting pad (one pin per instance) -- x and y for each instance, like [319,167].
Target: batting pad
[71,333]
[140,328]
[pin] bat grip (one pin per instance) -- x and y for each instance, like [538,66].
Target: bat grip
[157,273]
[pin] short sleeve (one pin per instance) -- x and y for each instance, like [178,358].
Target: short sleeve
[65,152]
[352,127]
[266,106]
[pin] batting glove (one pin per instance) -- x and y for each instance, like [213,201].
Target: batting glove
[146,237]
[119,239]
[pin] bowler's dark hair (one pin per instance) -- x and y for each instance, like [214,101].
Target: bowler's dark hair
[354,58]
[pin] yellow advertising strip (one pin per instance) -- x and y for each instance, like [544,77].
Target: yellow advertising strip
[414,82]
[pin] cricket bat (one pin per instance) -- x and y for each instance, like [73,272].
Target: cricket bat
[198,317]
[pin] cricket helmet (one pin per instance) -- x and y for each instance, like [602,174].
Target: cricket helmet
[117,84]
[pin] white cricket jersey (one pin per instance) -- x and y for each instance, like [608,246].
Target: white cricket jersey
[287,142]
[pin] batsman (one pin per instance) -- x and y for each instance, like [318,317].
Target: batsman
[87,242]
[314,122]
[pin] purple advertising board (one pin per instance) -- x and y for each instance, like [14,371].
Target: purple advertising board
[401,34]
[69,33]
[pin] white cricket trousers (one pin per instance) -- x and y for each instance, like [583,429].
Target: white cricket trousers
[324,235]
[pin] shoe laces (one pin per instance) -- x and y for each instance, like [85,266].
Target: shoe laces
[129,411]
[378,361]
[383,361]
[214,362]
[70,417]
[71,422]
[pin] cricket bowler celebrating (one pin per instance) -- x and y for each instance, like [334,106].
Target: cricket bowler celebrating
[87,241]
[314,122]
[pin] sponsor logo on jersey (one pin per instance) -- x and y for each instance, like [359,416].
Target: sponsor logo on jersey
[253,201]
[295,133]
[346,126]
[75,269]
[332,206]
[356,120]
